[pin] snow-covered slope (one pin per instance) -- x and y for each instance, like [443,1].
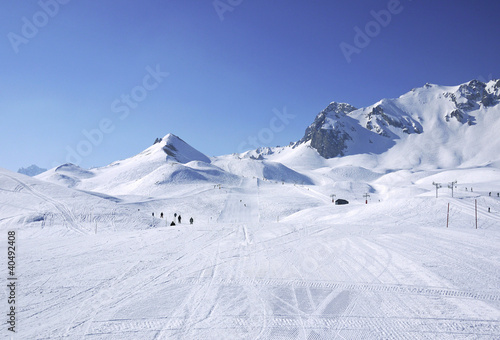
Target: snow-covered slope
[30,203]
[256,168]
[263,259]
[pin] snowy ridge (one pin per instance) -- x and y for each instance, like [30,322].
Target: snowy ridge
[447,120]
[179,150]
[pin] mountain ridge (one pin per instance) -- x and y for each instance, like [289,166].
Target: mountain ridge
[333,128]
[430,127]
[31,171]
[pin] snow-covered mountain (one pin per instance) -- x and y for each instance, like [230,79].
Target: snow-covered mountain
[440,126]
[431,127]
[169,160]
[32,170]
[176,149]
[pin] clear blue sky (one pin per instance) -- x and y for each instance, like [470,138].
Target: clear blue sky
[227,69]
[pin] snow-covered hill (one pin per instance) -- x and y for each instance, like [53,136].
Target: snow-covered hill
[169,160]
[29,203]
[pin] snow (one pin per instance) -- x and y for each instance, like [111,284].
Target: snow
[269,256]
[264,259]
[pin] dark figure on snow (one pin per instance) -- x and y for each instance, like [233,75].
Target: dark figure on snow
[490,193]
[489,210]
[173,223]
[175,214]
[498,194]
[153,214]
[161,215]
[191,220]
[179,218]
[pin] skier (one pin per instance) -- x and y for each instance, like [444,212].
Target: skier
[191,220]
[153,214]
[490,193]
[173,223]
[489,209]
[175,215]
[179,219]
[161,215]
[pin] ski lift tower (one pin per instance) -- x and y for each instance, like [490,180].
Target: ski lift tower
[451,185]
[438,185]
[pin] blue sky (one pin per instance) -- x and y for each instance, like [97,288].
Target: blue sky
[68,67]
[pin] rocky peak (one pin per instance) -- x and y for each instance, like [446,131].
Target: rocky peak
[378,120]
[338,109]
[472,95]
[327,133]
[32,170]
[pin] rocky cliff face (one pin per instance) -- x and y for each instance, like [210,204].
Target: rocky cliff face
[378,120]
[470,97]
[327,133]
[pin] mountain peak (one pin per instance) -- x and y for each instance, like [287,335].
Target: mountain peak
[177,149]
[327,133]
[32,170]
[170,137]
[339,108]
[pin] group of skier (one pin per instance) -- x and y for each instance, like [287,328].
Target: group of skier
[176,217]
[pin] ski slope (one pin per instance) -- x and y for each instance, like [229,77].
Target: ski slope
[264,259]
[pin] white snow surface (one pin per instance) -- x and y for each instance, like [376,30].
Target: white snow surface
[269,256]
